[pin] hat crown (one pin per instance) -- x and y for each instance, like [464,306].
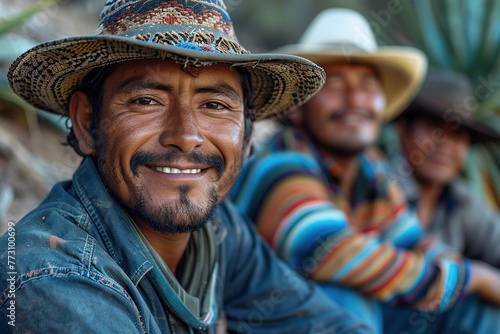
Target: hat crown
[351,31]
[202,25]
[445,88]
[450,96]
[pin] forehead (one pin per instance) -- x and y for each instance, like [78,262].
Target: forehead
[168,69]
[351,69]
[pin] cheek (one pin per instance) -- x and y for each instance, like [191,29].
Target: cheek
[323,102]
[229,144]
[462,152]
[379,103]
[227,136]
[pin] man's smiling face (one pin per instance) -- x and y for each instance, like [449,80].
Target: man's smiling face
[345,116]
[173,144]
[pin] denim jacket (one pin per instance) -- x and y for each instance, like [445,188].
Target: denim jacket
[74,266]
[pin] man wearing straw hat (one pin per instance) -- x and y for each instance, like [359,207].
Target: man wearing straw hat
[161,101]
[322,199]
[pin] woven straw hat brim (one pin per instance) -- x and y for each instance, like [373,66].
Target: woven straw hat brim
[46,75]
[402,69]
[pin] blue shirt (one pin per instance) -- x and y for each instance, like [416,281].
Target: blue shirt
[74,265]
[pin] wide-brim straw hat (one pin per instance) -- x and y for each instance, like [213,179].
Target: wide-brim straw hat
[343,35]
[191,32]
[448,96]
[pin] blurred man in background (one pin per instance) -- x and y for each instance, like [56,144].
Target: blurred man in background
[435,133]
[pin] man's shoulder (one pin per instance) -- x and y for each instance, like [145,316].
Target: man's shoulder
[463,192]
[47,236]
[60,214]
[51,239]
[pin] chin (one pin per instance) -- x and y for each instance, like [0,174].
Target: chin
[436,178]
[184,215]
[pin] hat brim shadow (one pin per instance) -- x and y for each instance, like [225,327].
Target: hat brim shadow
[46,75]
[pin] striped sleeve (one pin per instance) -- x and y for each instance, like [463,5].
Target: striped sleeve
[286,196]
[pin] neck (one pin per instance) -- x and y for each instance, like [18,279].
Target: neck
[429,197]
[350,168]
[170,247]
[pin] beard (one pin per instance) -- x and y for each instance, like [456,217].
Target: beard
[348,145]
[177,218]
[346,150]
[174,217]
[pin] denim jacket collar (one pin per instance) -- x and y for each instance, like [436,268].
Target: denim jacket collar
[110,222]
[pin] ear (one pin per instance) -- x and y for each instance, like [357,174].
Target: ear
[247,147]
[80,113]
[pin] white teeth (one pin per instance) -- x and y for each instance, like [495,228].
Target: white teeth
[172,170]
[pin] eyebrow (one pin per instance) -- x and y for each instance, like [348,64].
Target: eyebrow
[138,83]
[221,89]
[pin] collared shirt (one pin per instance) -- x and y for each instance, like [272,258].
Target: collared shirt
[371,241]
[78,267]
[460,218]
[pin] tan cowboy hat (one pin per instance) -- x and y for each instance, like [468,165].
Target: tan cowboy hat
[192,32]
[343,35]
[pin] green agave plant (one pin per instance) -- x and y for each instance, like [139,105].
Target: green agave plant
[462,35]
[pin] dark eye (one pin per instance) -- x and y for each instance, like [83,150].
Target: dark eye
[335,84]
[214,105]
[371,84]
[144,101]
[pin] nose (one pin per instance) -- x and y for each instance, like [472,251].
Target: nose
[181,130]
[355,97]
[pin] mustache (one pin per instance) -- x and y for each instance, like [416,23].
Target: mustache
[339,113]
[171,156]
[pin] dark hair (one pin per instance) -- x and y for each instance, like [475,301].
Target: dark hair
[416,111]
[93,86]
[247,105]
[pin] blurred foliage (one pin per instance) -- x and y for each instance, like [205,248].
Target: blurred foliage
[11,23]
[16,158]
[263,25]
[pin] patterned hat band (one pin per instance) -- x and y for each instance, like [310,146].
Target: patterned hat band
[191,32]
[201,41]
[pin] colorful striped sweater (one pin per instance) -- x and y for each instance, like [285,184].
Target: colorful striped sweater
[372,242]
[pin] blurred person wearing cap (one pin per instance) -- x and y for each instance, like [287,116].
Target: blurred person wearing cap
[321,196]
[435,134]
[161,101]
